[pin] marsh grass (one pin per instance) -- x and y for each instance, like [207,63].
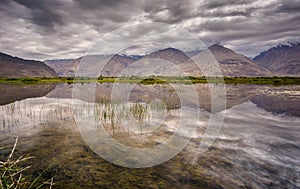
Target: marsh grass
[28,113]
[120,117]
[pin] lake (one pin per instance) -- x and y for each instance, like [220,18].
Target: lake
[76,139]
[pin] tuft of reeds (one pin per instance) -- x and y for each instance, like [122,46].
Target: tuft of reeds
[12,173]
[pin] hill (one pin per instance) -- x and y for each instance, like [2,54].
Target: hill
[234,64]
[15,67]
[283,59]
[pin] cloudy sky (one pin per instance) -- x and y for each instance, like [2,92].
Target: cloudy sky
[47,29]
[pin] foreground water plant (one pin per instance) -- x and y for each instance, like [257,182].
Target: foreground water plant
[12,173]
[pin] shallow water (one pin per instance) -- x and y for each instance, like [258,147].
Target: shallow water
[257,147]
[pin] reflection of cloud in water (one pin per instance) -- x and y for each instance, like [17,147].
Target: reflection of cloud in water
[258,140]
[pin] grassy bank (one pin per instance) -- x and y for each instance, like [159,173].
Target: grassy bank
[160,80]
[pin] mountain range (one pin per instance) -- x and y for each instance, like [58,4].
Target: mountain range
[231,63]
[281,60]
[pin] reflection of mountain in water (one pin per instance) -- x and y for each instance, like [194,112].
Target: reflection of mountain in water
[11,93]
[281,99]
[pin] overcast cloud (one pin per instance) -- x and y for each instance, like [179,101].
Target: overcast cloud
[49,29]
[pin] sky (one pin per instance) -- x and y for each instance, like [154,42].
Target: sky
[48,29]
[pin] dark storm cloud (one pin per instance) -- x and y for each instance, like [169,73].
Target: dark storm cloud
[223,14]
[44,13]
[115,11]
[67,28]
[179,9]
[289,7]
[95,4]
[220,4]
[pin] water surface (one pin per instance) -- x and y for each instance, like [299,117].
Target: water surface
[257,147]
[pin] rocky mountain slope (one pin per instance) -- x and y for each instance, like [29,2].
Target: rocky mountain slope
[116,64]
[17,67]
[64,67]
[283,59]
[234,64]
[230,63]
[170,54]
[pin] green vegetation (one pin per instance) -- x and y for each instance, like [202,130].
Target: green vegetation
[160,79]
[263,80]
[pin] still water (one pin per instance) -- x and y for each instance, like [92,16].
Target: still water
[258,145]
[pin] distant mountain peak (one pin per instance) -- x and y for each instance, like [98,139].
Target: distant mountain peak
[170,49]
[221,52]
[289,44]
[170,54]
[217,47]
[121,57]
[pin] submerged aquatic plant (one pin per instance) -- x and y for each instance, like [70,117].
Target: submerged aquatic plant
[139,111]
[12,173]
